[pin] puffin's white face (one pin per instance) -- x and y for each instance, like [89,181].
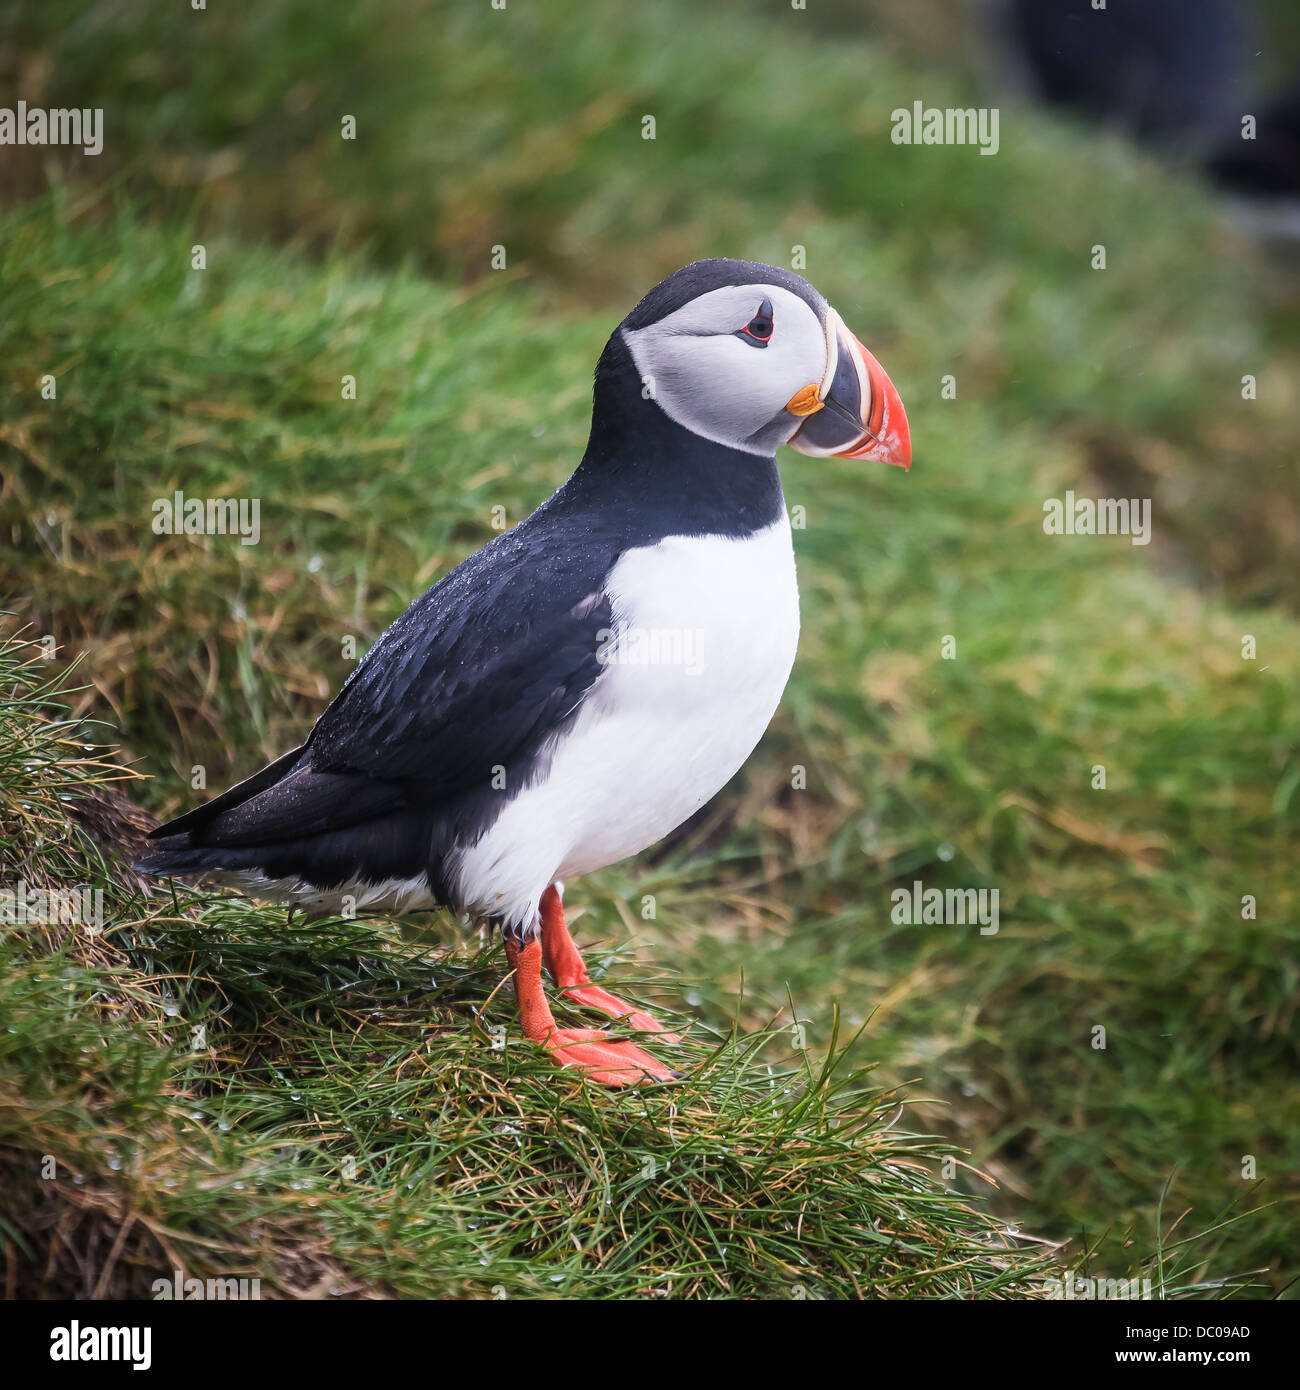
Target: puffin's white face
[755,366]
[725,365]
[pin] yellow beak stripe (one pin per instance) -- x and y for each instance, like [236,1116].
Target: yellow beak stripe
[805,401]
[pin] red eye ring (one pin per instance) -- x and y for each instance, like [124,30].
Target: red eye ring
[758,331]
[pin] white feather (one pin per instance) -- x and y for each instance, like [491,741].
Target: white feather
[357,895]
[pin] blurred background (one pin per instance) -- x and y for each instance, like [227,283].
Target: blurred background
[1169,375]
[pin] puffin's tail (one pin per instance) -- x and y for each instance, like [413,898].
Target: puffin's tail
[188,844]
[183,858]
[291,823]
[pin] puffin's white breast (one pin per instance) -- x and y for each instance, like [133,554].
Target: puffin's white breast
[704,636]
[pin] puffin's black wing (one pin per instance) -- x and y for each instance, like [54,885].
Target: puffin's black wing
[474,674]
[477,675]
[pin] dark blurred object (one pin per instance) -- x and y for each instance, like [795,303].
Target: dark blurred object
[1172,69]
[1179,74]
[1269,165]
[119,828]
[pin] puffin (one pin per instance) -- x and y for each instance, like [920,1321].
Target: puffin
[572,692]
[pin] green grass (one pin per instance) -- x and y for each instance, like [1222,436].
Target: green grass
[1120,908]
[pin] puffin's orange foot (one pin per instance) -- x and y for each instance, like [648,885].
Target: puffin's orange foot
[603,1058]
[564,961]
[596,998]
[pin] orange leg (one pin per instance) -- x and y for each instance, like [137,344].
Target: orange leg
[591,1050]
[564,961]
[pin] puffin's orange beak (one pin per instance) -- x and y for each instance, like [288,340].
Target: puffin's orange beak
[855,412]
[887,438]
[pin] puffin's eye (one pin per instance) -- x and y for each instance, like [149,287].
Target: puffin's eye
[758,330]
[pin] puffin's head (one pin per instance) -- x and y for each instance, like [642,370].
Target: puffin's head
[751,356]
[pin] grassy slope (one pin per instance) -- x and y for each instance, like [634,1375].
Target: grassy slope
[1119,907]
[335,1111]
